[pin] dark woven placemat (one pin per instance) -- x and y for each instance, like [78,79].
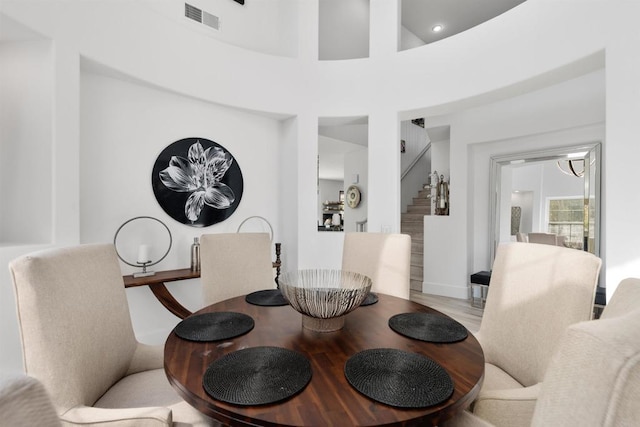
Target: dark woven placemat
[216,326]
[257,376]
[398,378]
[267,297]
[428,327]
[371,298]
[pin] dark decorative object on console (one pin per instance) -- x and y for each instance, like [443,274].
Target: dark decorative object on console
[197,182]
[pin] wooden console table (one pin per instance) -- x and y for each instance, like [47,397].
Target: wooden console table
[157,284]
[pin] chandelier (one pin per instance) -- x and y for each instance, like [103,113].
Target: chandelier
[573,167]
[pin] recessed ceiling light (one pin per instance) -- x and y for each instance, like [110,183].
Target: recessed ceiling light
[437,28]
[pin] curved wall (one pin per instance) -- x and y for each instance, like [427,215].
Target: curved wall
[523,45]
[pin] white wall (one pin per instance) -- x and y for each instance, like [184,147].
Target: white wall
[355,163]
[331,153]
[344,29]
[440,158]
[26,92]
[444,272]
[55,118]
[575,116]
[126,126]
[558,184]
[445,236]
[263,26]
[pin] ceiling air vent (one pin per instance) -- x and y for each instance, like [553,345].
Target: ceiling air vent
[201,16]
[211,20]
[192,12]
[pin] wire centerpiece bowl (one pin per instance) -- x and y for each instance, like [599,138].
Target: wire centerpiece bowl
[323,296]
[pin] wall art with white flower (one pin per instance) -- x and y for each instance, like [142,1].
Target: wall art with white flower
[197,182]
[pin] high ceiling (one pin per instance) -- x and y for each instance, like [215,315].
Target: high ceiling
[420,16]
[344,24]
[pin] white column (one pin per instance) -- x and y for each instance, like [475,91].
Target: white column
[621,151]
[384,172]
[308,26]
[383,198]
[446,237]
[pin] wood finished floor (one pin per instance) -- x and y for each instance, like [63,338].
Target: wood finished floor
[458,309]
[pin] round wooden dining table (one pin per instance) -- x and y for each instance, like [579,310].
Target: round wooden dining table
[328,398]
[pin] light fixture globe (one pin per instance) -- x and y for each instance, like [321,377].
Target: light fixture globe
[324,297]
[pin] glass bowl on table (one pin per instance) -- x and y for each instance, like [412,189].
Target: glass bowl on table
[324,296]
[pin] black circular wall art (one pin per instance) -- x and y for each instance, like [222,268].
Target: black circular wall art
[197,182]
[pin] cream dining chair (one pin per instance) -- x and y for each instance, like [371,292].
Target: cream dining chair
[234,264]
[535,293]
[593,379]
[542,238]
[25,403]
[77,339]
[625,299]
[384,257]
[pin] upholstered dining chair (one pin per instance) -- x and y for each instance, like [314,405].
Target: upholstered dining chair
[542,238]
[625,299]
[78,340]
[384,257]
[521,237]
[234,264]
[535,293]
[594,376]
[25,403]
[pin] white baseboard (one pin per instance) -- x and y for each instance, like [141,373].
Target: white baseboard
[445,290]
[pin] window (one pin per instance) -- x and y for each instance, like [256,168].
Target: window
[565,218]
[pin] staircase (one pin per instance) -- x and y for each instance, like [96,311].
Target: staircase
[412,223]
